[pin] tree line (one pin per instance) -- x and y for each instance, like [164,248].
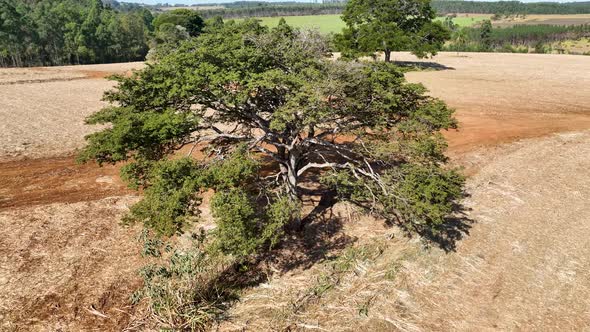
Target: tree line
[510,7]
[259,9]
[60,32]
[273,10]
[515,39]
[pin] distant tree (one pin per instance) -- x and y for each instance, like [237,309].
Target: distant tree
[449,24]
[248,97]
[460,38]
[390,25]
[486,34]
[189,19]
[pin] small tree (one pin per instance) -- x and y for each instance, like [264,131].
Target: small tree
[189,19]
[390,25]
[270,112]
[486,34]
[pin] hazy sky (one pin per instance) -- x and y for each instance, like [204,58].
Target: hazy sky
[190,2]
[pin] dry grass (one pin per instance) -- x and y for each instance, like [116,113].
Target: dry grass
[42,110]
[553,19]
[524,266]
[64,263]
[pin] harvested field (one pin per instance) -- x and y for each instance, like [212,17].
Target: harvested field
[42,110]
[63,263]
[524,266]
[501,98]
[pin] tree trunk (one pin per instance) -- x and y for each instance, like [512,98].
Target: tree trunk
[292,184]
[387,55]
[292,176]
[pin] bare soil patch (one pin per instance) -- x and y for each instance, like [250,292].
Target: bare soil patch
[62,261]
[501,98]
[56,180]
[42,110]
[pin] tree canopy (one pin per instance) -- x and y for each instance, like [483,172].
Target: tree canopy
[390,25]
[270,113]
[189,19]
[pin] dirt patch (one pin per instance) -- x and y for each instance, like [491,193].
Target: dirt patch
[61,262]
[502,98]
[42,110]
[56,180]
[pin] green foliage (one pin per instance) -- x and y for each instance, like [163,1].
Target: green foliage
[189,19]
[233,172]
[256,96]
[171,196]
[237,230]
[241,230]
[149,133]
[390,25]
[419,197]
[58,32]
[423,195]
[171,29]
[173,187]
[485,34]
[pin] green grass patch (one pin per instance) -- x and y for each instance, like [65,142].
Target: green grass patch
[333,23]
[464,21]
[324,23]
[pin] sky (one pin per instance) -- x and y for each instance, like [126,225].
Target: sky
[192,2]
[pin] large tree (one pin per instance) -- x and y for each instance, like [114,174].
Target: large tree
[390,25]
[271,112]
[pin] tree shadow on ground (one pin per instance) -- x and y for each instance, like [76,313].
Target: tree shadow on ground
[447,235]
[422,65]
[320,234]
[320,239]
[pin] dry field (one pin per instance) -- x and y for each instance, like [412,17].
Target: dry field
[555,19]
[42,110]
[195,7]
[66,262]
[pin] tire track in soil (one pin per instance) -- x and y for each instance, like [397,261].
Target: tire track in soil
[32,182]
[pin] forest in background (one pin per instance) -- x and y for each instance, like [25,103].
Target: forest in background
[61,32]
